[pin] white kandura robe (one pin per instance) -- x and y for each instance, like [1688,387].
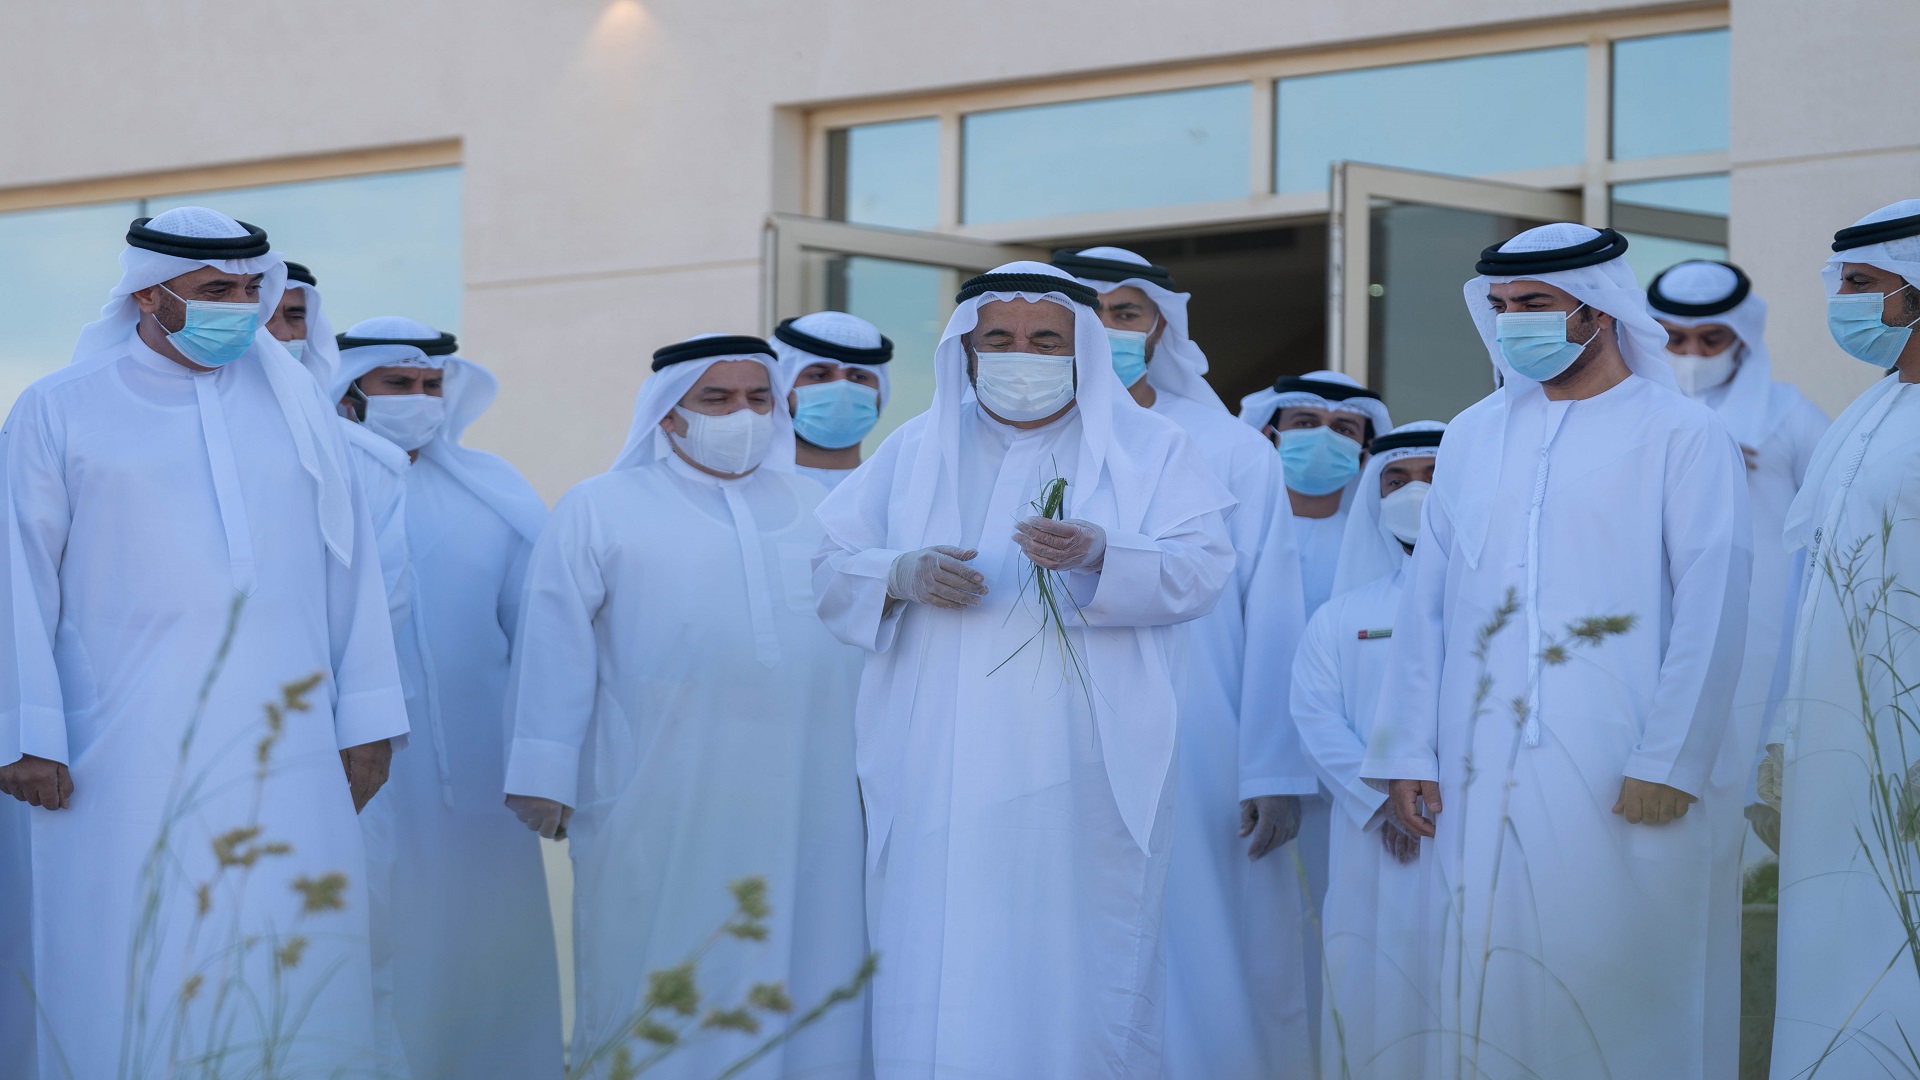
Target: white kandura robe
[1380,990]
[466,927]
[1320,543]
[673,684]
[826,478]
[1841,962]
[379,471]
[1236,1000]
[1017,918]
[1632,502]
[140,497]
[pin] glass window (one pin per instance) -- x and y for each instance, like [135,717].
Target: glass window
[909,302]
[1119,153]
[885,174]
[55,269]
[387,244]
[1670,94]
[1474,116]
[1670,221]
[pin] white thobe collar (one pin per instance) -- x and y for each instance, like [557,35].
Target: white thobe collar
[753,558]
[144,355]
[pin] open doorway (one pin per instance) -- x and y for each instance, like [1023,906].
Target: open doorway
[1259,305]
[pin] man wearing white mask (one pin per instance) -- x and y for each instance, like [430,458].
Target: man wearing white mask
[461,901]
[1564,660]
[1380,987]
[1848,990]
[1716,343]
[681,713]
[1018,712]
[836,364]
[187,544]
[1236,999]
[301,326]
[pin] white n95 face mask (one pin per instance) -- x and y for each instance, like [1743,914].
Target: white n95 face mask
[1022,386]
[732,443]
[409,421]
[1699,374]
[1400,511]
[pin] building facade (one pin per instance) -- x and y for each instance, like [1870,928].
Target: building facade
[570,184]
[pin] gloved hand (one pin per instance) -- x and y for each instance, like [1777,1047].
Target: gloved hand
[544,816]
[938,576]
[1401,844]
[1272,820]
[1061,545]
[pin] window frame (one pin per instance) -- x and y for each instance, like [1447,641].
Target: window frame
[1593,179]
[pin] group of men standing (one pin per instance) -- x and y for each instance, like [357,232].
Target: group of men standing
[1131,738]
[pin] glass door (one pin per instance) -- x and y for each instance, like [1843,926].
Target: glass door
[1400,245]
[899,280]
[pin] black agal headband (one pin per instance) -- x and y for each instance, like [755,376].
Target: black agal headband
[1606,247]
[681,352]
[199,248]
[1031,283]
[833,350]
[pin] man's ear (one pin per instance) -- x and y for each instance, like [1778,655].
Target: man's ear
[147,299]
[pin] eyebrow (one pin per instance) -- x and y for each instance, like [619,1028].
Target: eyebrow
[1044,333]
[1523,297]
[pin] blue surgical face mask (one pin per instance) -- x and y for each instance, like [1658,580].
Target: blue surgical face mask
[835,415]
[1535,342]
[214,335]
[1318,461]
[1129,349]
[1854,320]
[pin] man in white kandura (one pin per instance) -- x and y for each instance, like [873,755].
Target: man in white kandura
[461,919]
[1322,423]
[300,324]
[1017,716]
[186,543]
[1236,1003]
[836,364]
[1716,344]
[681,713]
[1849,727]
[1590,522]
[1380,1001]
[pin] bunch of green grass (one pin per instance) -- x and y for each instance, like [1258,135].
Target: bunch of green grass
[671,1018]
[1050,586]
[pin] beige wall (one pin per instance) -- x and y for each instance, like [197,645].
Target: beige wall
[619,156]
[1823,132]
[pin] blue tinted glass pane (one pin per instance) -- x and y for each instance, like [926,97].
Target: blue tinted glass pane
[1648,255]
[56,267]
[1670,94]
[1474,116]
[1119,153]
[889,174]
[1699,194]
[909,302]
[380,245]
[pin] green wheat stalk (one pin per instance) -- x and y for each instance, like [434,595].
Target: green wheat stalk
[1049,586]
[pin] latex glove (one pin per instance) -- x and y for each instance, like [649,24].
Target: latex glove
[1772,768]
[938,576]
[547,817]
[1401,844]
[1272,821]
[1643,802]
[1407,797]
[366,767]
[37,781]
[1061,545]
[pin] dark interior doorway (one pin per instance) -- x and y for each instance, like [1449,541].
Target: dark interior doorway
[1259,305]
